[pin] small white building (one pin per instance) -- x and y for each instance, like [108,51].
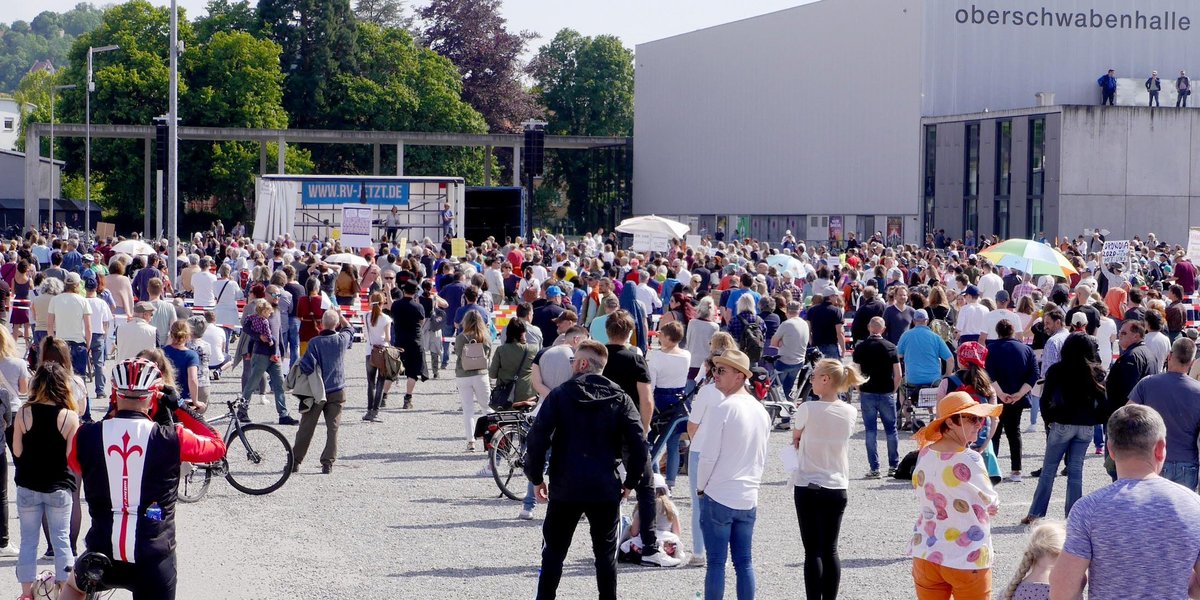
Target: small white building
[10,122]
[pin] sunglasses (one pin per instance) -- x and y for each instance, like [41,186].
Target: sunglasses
[972,419]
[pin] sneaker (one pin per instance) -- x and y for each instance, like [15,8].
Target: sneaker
[1015,477]
[326,469]
[9,550]
[383,401]
[243,416]
[697,560]
[891,472]
[367,416]
[375,418]
[660,559]
[1032,427]
[525,515]
[1029,519]
[470,446]
[1099,449]
[486,471]
[1035,473]
[262,399]
[407,402]
[872,474]
[288,420]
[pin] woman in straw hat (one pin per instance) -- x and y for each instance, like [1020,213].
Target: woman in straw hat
[951,545]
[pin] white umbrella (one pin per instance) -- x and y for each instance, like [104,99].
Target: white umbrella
[783,262]
[134,248]
[346,258]
[653,225]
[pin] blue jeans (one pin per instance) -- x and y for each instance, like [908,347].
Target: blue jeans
[882,406]
[97,358]
[79,357]
[1098,436]
[1035,406]
[260,365]
[1070,441]
[530,499]
[670,441]
[1186,474]
[787,375]
[447,332]
[38,336]
[56,508]
[727,531]
[693,472]
[291,342]
[830,350]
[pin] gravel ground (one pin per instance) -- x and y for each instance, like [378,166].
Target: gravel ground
[404,516]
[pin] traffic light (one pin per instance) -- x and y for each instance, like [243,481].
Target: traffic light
[535,142]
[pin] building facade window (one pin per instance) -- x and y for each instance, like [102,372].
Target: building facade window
[1034,213]
[930,177]
[971,180]
[9,123]
[1003,178]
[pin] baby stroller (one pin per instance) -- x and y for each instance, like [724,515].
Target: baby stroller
[765,387]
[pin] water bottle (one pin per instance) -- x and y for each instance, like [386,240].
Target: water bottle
[699,596]
[154,512]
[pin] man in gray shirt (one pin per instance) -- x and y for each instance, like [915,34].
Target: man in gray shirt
[1177,398]
[552,367]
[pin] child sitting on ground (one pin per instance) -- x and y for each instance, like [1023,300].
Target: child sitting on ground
[666,527]
[1032,580]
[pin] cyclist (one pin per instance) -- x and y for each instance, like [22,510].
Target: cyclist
[129,464]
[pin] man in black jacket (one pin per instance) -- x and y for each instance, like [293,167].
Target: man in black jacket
[1135,363]
[588,423]
[870,308]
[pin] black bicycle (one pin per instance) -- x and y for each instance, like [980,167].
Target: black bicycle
[508,432]
[258,459]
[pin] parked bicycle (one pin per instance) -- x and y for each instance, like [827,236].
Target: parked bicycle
[508,433]
[258,459]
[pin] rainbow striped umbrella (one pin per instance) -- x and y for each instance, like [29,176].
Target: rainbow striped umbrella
[1030,257]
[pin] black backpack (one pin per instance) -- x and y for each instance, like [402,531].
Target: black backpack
[904,471]
[751,340]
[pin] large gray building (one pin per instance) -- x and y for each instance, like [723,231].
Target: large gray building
[860,115]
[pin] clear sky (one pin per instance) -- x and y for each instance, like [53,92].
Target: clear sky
[634,21]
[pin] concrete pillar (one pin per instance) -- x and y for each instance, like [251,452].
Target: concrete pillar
[516,166]
[399,159]
[33,150]
[487,166]
[262,158]
[375,159]
[147,179]
[281,167]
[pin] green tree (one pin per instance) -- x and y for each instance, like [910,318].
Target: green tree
[318,42]
[47,37]
[131,88]
[385,13]
[586,85]
[233,81]
[405,87]
[474,36]
[227,16]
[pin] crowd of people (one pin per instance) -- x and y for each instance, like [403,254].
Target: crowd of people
[647,360]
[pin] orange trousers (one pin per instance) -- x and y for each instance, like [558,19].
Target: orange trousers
[935,582]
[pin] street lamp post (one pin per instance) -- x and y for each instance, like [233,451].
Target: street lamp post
[87,160]
[52,177]
[173,148]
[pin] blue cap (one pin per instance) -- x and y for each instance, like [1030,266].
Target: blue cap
[972,291]
[553,291]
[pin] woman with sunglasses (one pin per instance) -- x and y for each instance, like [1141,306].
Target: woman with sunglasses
[951,544]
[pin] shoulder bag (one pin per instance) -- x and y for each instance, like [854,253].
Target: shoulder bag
[502,393]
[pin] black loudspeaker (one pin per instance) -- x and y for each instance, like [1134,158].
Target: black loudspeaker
[492,211]
[161,133]
[535,142]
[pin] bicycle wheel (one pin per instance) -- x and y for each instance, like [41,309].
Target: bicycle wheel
[507,457]
[193,481]
[259,458]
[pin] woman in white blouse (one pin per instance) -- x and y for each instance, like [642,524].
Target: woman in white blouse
[668,366]
[378,327]
[821,435]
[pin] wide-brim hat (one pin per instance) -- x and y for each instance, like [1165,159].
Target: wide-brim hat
[955,403]
[735,359]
